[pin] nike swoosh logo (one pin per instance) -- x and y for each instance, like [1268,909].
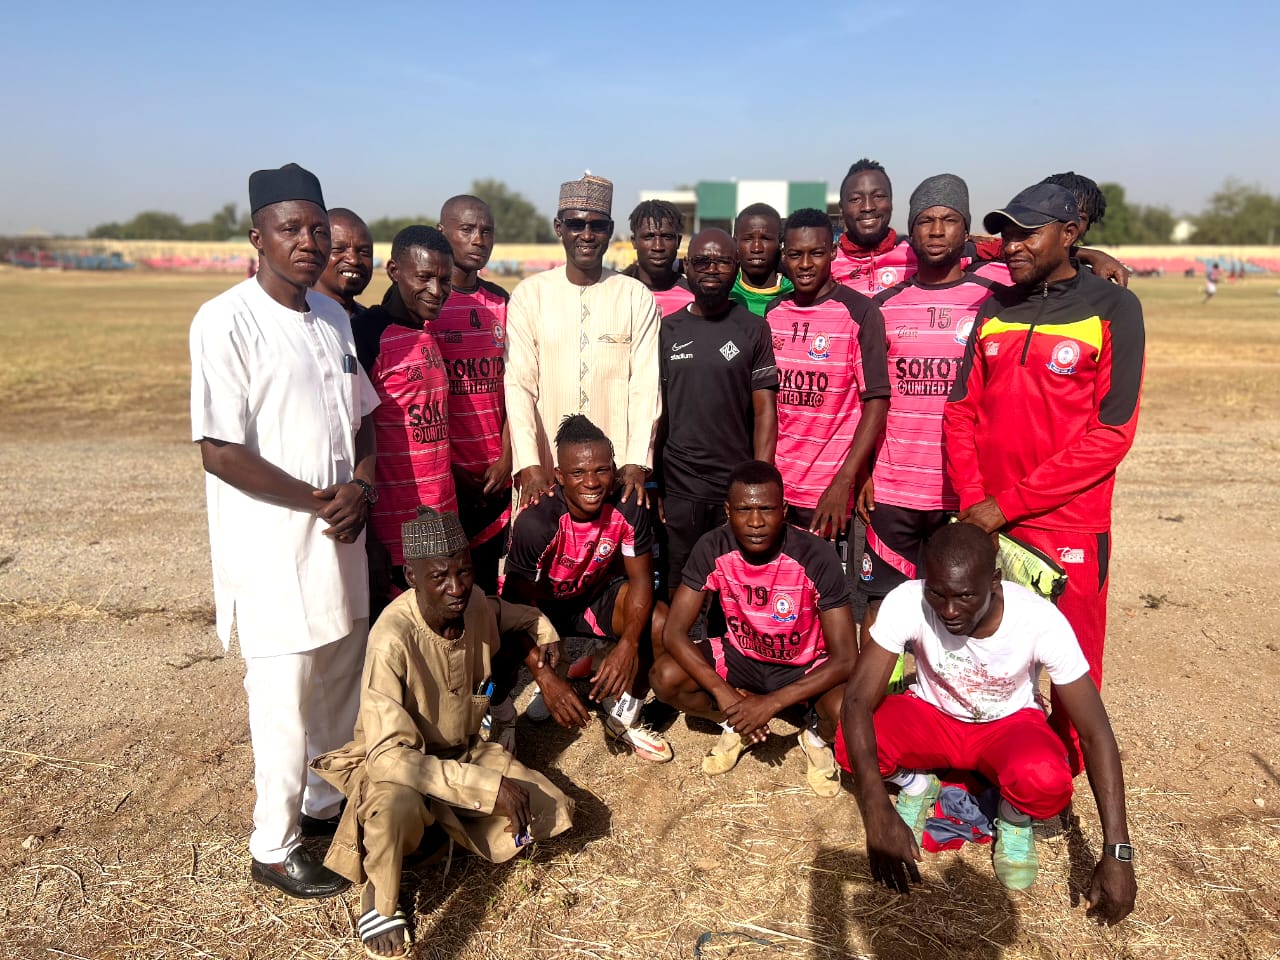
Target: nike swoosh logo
[681,346]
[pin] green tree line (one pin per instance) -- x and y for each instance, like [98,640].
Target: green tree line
[516,220]
[1237,214]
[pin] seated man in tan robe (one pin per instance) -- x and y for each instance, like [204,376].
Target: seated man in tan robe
[417,759]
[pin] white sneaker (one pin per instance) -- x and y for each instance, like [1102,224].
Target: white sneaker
[537,709]
[647,743]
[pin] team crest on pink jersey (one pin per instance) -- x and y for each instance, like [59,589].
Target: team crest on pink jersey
[784,608]
[867,568]
[499,335]
[888,277]
[821,348]
[604,550]
[963,329]
[1065,357]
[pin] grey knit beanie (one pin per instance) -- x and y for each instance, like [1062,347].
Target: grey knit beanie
[944,190]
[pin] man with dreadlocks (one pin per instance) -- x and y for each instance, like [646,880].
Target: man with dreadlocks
[656,231]
[583,556]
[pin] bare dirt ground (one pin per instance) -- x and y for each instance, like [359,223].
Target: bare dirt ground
[125,795]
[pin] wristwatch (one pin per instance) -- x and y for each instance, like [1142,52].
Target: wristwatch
[1121,851]
[370,494]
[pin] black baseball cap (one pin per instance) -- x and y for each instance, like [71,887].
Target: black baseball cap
[1034,207]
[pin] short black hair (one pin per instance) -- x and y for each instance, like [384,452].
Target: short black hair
[862,166]
[807,217]
[419,235]
[754,473]
[1092,201]
[577,428]
[962,545]
[757,210]
[657,211]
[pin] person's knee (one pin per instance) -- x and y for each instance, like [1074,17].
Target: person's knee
[667,678]
[1039,785]
[394,809]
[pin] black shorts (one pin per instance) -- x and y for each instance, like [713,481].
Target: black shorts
[586,616]
[895,546]
[745,673]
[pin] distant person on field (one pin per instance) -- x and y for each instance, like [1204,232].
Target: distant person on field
[757,231]
[471,332]
[789,637]
[417,760]
[582,339]
[979,644]
[1045,408]
[657,228]
[281,411]
[350,265]
[396,346]
[1212,277]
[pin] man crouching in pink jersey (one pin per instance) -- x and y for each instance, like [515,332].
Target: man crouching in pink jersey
[789,630]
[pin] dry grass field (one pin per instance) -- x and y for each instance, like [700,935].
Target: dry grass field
[125,789]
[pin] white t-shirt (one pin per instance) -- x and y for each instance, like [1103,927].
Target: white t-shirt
[986,679]
[287,386]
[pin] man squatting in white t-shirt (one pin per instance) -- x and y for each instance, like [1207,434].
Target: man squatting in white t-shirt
[979,644]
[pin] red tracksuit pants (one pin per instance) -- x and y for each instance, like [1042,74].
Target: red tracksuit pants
[1017,753]
[1086,558]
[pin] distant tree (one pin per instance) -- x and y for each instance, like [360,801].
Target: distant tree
[154,225]
[1130,223]
[385,229]
[1239,213]
[516,220]
[107,231]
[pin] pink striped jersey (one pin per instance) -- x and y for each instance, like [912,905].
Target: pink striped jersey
[831,357]
[411,423]
[674,298]
[571,558]
[927,327]
[870,273]
[471,332]
[771,609]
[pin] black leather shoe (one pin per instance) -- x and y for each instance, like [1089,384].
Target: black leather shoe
[300,876]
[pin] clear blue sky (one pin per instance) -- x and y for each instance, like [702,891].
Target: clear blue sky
[112,108]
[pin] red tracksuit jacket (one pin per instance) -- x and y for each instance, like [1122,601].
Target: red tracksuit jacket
[1046,402]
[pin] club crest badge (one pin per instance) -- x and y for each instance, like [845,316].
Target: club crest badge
[821,348]
[499,335]
[604,550]
[784,609]
[867,575]
[1065,356]
[963,329]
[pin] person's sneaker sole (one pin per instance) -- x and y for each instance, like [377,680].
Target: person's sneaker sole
[723,757]
[652,749]
[824,775]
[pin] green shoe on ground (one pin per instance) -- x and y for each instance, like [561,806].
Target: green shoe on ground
[914,811]
[1014,855]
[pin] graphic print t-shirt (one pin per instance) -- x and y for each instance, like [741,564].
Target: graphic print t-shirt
[987,679]
[771,609]
[574,557]
[831,357]
[411,422]
[710,367]
[927,327]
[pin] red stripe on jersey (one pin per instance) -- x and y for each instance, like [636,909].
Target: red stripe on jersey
[412,430]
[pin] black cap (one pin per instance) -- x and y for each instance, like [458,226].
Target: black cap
[290,182]
[1034,207]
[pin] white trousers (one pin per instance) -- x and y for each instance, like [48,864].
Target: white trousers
[300,706]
